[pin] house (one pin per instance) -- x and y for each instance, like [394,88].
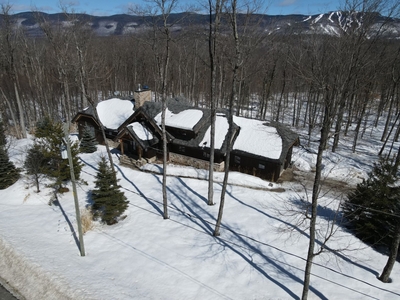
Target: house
[262,149]
[259,148]
[188,133]
[112,113]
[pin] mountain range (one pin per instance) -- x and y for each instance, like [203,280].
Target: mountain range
[334,23]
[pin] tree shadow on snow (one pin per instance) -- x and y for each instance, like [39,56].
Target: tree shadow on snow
[331,215]
[56,202]
[139,192]
[325,212]
[89,165]
[271,262]
[189,205]
[206,226]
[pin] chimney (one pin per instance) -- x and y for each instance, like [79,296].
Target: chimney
[141,95]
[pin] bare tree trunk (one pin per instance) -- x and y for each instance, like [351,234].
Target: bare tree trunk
[389,134]
[13,117]
[389,118]
[338,126]
[394,250]
[314,203]
[278,111]
[193,82]
[10,39]
[267,89]
[82,77]
[212,50]
[358,126]
[236,66]
[21,112]
[165,158]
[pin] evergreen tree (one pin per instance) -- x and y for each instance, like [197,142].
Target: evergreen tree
[370,208]
[51,141]
[36,163]
[9,174]
[373,210]
[88,142]
[108,201]
[3,140]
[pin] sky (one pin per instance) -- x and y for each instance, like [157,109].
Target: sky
[107,7]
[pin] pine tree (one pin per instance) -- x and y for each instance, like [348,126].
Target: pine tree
[9,174]
[370,207]
[373,210]
[88,142]
[3,140]
[51,141]
[108,201]
[36,163]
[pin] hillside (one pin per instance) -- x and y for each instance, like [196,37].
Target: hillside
[334,23]
[259,255]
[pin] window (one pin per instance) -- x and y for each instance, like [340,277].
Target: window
[237,160]
[206,155]
[133,146]
[182,149]
[261,166]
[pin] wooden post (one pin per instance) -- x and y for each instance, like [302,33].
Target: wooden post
[121,142]
[140,152]
[77,211]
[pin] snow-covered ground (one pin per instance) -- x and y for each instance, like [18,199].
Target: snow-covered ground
[259,255]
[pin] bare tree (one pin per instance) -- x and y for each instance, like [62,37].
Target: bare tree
[215,11]
[328,114]
[395,241]
[236,64]
[160,12]
[235,72]
[9,40]
[336,84]
[60,40]
[393,252]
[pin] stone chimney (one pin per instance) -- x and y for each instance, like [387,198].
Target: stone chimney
[141,95]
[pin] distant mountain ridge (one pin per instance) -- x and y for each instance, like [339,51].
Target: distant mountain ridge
[333,23]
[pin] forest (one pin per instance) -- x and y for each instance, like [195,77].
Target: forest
[286,74]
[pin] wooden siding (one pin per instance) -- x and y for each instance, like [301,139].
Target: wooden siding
[181,134]
[245,163]
[198,153]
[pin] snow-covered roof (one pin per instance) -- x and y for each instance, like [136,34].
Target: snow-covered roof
[257,138]
[186,119]
[142,132]
[113,112]
[221,129]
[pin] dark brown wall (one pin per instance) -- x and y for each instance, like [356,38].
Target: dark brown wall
[198,153]
[264,169]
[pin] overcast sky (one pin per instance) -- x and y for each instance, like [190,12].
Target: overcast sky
[111,7]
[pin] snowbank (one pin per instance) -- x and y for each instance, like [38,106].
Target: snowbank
[29,279]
